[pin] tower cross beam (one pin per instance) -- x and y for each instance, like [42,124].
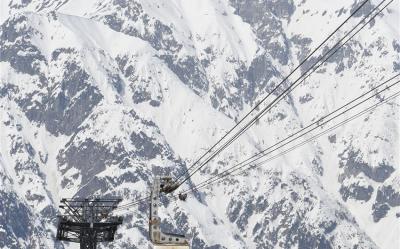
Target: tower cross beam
[88,222]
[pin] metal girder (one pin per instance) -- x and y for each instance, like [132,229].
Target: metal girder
[88,222]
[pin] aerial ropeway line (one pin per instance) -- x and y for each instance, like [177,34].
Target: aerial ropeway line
[167,185]
[212,152]
[319,62]
[320,123]
[262,163]
[241,166]
[292,86]
[187,171]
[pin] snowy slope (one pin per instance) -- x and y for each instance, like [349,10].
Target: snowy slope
[95,96]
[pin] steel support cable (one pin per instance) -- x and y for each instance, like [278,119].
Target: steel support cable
[132,203]
[243,170]
[263,113]
[225,172]
[277,100]
[312,67]
[371,108]
[313,138]
[323,118]
[291,88]
[273,90]
[208,182]
[325,60]
[270,106]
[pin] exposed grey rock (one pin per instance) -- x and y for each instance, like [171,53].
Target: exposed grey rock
[142,88]
[389,195]
[304,46]
[379,211]
[386,198]
[317,166]
[260,72]
[266,19]
[234,210]
[65,111]
[58,51]
[396,66]
[7,90]
[305,98]
[64,108]
[189,71]
[345,57]
[21,54]
[19,4]
[332,138]
[90,157]
[364,10]
[145,148]
[289,229]
[357,192]
[161,37]
[328,226]
[396,46]
[15,220]
[154,103]
[352,165]
[18,225]
[116,82]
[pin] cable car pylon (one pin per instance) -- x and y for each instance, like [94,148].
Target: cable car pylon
[88,222]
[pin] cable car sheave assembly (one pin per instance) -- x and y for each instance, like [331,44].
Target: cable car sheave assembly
[167,185]
[159,238]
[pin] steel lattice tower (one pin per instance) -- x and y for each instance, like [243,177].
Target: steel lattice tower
[88,222]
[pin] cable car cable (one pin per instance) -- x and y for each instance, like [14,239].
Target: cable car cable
[284,93]
[259,103]
[208,182]
[364,111]
[325,54]
[326,116]
[359,114]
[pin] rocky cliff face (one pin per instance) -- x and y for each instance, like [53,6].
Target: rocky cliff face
[96,96]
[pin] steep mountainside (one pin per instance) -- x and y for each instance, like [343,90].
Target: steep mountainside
[97,95]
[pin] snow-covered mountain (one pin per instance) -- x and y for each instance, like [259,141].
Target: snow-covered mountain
[96,95]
